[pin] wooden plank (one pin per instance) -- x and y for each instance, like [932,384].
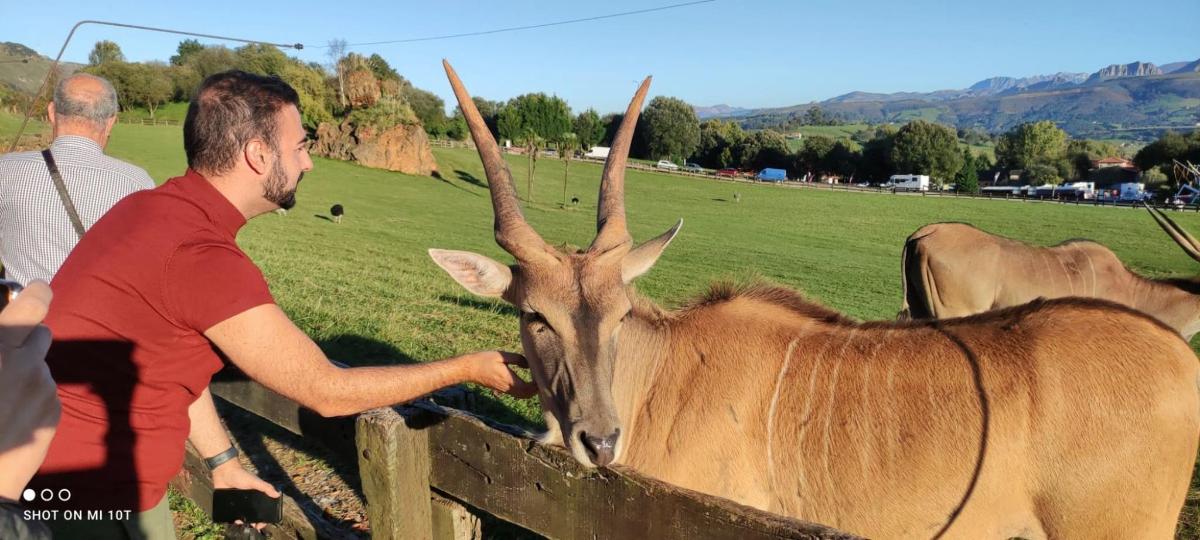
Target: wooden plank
[453,521]
[502,471]
[393,465]
[546,491]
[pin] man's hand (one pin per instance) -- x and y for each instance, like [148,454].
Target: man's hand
[231,475]
[491,369]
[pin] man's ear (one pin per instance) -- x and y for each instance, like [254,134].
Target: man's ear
[258,156]
[108,125]
[478,274]
[50,113]
[642,258]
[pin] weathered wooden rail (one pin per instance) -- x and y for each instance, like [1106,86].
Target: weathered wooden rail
[419,463]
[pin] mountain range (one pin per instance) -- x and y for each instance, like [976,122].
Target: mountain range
[1127,101]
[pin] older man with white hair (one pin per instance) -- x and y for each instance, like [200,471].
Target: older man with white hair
[43,217]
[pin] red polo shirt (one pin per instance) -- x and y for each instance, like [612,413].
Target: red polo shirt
[131,304]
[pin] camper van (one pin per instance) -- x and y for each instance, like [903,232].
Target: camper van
[910,182]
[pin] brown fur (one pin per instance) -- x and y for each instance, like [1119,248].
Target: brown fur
[954,270]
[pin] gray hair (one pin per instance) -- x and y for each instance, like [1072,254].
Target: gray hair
[96,107]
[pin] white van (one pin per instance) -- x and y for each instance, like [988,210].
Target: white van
[910,182]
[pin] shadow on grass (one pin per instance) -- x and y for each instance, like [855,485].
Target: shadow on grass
[482,305]
[470,178]
[324,217]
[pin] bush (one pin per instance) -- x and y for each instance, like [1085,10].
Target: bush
[386,114]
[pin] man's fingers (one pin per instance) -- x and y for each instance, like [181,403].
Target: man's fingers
[520,388]
[20,317]
[514,359]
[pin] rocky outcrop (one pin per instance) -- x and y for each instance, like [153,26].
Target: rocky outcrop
[402,148]
[1116,71]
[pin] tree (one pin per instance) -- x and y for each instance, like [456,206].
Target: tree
[104,52]
[548,117]
[588,129]
[429,108]
[876,162]
[490,111]
[967,179]
[533,144]
[922,147]
[261,59]
[382,70]
[671,128]
[148,85]
[315,98]
[1030,144]
[719,142]
[567,143]
[212,59]
[186,48]
[813,155]
[337,49]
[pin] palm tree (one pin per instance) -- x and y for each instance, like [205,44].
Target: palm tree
[533,145]
[567,142]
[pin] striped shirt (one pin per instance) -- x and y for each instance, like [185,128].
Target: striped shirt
[35,231]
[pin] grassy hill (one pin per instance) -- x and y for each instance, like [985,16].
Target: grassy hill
[23,68]
[368,293]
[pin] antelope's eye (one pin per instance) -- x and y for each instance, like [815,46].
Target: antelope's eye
[627,317]
[533,317]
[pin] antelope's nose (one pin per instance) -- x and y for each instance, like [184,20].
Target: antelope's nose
[600,449]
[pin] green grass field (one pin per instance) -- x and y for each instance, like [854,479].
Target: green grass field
[368,293]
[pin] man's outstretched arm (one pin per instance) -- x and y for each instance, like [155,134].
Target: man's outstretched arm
[270,349]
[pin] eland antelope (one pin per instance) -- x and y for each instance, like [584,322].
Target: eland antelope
[1011,424]
[954,270]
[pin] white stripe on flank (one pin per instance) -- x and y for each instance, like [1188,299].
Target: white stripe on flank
[787,360]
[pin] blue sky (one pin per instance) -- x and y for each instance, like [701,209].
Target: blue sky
[753,53]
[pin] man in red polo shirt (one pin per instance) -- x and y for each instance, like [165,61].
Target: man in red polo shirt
[159,283]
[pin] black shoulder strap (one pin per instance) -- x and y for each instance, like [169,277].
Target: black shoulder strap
[62,192]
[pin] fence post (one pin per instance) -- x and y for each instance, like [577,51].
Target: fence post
[393,463]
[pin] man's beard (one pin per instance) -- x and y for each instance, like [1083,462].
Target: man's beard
[276,189]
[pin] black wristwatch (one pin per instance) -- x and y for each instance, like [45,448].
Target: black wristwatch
[217,460]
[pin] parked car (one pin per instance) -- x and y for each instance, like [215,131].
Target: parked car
[667,165]
[729,172]
[693,168]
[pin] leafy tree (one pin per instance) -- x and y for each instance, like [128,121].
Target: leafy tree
[148,85]
[186,48]
[814,155]
[533,144]
[611,123]
[212,59]
[671,128]
[184,81]
[922,147]
[105,51]
[588,129]
[719,141]
[457,128]
[429,108]
[315,97]
[842,160]
[1171,145]
[1032,143]
[382,70]
[547,117]
[490,111]
[876,162]
[261,59]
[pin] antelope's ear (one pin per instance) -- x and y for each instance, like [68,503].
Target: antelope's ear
[478,274]
[642,258]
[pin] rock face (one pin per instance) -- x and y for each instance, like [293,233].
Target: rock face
[403,148]
[1115,71]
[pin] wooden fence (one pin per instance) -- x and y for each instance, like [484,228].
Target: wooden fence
[423,465]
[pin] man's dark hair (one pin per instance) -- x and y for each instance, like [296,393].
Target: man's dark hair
[230,109]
